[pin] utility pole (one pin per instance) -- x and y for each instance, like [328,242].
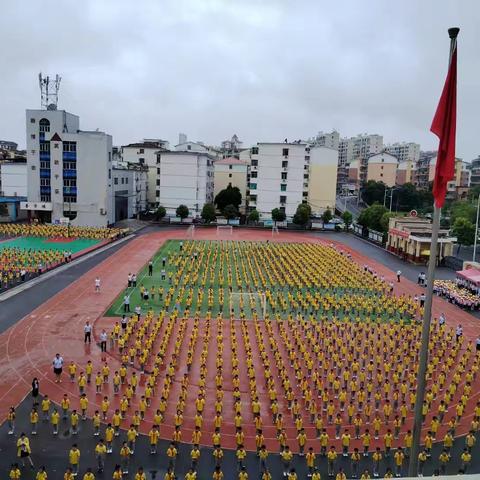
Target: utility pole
[476,231]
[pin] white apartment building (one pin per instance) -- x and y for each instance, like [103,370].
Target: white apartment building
[130,189]
[405,151]
[145,153]
[278,177]
[68,170]
[322,139]
[184,178]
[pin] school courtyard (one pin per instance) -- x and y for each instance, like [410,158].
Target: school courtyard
[289,339]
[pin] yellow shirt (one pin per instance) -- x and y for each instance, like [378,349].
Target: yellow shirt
[41,476]
[74,456]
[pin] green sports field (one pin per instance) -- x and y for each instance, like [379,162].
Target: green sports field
[41,243]
[259,278]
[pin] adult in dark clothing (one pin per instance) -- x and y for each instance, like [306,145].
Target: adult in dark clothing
[35,390]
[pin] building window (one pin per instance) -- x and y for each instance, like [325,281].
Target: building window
[32,120]
[32,136]
[283,199]
[158,171]
[157,193]
[115,181]
[141,161]
[44,125]
[44,147]
[44,182]
[158,181]
[253,198]
[230,167]
[285,164]
[254,163]
[189,147]
[229,184]
[142,150]
[285,152]
[45,198]
[284,175]
[69,183]
[55,145]
[307,157]
[229,175]
[254,151]
[126,180]
[381,174]
[34,167]
[123,180]
[283,187]
[253,186]
[69,146]
[282,209]
[305,176]
[109,173]
[253,174]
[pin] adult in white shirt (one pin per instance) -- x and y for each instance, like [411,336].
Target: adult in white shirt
[399,273]
[57,367]
[126,303]
[97,285]
[103,341]
[87,330]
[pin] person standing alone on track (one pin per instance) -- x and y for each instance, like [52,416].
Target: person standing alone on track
[150,268]
[97,284]
[87,330]
[57,367]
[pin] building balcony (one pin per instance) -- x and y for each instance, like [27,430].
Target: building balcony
[45,156]
[44,173]
[69,173]
[45,190]
[69,156]
[69,190]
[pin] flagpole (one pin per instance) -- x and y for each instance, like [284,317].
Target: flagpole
[425,338]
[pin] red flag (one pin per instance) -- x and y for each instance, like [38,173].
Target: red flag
[444,127]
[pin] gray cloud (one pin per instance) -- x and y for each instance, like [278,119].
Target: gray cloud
[265,70]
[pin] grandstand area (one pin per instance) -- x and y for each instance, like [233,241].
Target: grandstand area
[306,339]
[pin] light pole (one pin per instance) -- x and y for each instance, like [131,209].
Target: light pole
[476,230]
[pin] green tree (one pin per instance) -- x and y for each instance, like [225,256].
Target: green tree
[327,216]
[228,196]
[463,209]
[253,216]
[278,215]
[182,212]
[371,216]
[230,211]
[347,219]
[3,209]
[208,212]
[373,192]
[384,220]
[473,193]
[160,212]
[302,215]
[464,230]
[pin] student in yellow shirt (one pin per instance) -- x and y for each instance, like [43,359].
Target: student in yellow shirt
[46,408]
[331,459]
[125,454]
[42,474]
[34,420]
[55,419]
[316,475]
[365,475]
[89,475]
[74,419]
[195,457]
[346,437]
[422,458]
[355,461]
[466,458]
[398,458]
[217,474]
[191,475]
[310,459]
[117,473]
[140,475]
[341,475]
[68,475]
[74,459]
[15,472]
[242,474]
[377,458]
[100,453]
[172,455]
[444,458]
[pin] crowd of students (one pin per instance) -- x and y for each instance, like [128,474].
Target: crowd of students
[455,293]
[19,264]
[58,231]
[314,385]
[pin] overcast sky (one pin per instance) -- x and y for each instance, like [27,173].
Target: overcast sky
[264,70]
